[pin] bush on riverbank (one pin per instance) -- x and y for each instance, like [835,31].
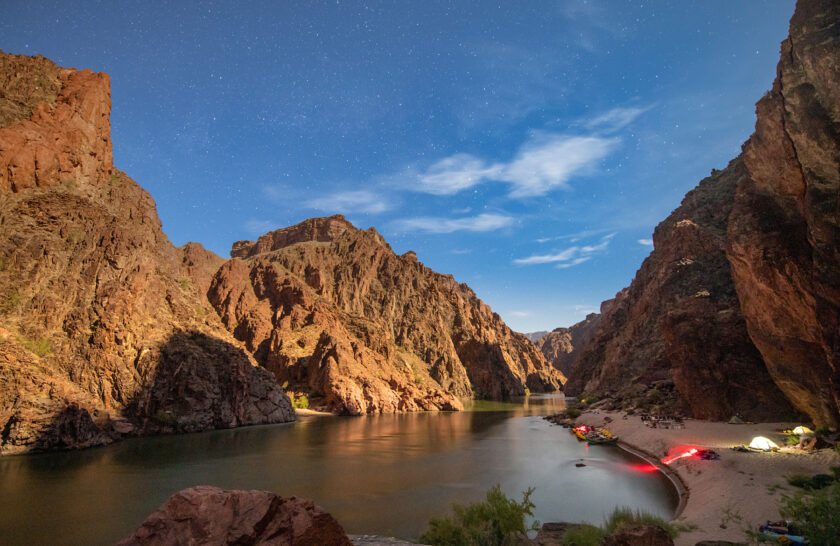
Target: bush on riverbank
[817,513]
[497,521]
[619,520]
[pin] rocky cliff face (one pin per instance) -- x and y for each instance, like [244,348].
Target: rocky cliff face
[333,311]
[784,232]
[676,336]
[104,330]
[561,346]
[736,309]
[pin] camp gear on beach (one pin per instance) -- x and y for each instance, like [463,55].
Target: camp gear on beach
[762,443]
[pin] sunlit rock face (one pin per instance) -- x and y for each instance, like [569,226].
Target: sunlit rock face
[561,346]
[736,309]
[104,328]
[334,312]
[784,231]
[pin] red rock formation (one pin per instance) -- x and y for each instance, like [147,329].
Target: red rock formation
[211,516]
[784,232]
[333,311]
[676,336]
[740,300]
[561,346]
[103,328]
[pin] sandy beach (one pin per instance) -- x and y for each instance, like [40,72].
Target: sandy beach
[726,496]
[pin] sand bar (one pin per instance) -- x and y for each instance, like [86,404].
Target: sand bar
[725,497]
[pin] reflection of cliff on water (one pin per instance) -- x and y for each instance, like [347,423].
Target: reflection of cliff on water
[375,474]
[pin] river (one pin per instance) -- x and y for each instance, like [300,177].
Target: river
[380,474]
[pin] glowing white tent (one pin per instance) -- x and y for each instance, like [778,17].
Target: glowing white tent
[802,430]
[765,444]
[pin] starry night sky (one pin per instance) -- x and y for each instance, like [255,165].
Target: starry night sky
[528,148]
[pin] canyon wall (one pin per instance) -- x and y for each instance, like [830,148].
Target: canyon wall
[104,329]
[332,311]
[736,309]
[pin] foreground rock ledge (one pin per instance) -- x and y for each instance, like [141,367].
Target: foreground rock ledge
[212,516]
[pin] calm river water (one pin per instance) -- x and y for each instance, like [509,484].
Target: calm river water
[384,474]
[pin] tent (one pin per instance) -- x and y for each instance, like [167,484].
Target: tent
[762,443]
[802,430]
[736,420]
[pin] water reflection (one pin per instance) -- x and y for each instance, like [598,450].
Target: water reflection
[378,474]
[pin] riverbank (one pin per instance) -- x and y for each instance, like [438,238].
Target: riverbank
[724,497]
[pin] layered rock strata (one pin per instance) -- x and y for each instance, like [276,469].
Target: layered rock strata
[738,307]
[333,311]
[104,327]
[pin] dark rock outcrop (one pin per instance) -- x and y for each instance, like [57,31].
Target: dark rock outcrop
[784,231]
[212,516]
[96,302]
[740,300]
[334,312]
[676,336]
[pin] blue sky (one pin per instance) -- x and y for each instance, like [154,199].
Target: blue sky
[528,148]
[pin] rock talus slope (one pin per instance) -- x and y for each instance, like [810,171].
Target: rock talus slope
[740,300]
[104,329]
[334,312]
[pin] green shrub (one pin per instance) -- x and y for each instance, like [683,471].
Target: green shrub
[301,402]
[572,413]
[40,346]
[584,535]
[622,518]
[822,430]
[802,481]
[792,440]
[497,521]
[817,513]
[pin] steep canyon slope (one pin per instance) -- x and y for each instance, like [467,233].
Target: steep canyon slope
[103,331]
[334,312]
[736,309]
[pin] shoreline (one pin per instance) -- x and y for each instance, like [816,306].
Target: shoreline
[719,499]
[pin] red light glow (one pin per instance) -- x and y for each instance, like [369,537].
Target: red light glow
[641,467]
[687,452]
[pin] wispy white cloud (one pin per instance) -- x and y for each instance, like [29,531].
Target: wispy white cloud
[545,162]
[259,227]
[645,242]
[453,174]
[615,119]
[576,261]
[520,314]
[362,201]
[570,257]
[461,251]
[563,256]
[430,224]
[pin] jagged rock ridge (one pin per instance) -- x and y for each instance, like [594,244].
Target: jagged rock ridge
[737,308]
[104,329]
[562,345]
[333,311]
